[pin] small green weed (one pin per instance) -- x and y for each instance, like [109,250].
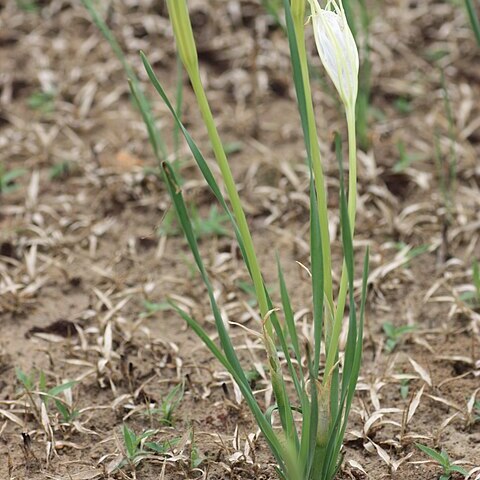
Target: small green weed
[8,177]
[395,334]
[215,225]
[196,458]
[411,253]
[134,452]
[403,105]
[61,170]
[405,159]
[444,461]
[44,102]
[28,6]
[169,404]
[404,388]
[35,383]
[151,308]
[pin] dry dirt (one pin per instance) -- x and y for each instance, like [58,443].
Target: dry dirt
[83,254]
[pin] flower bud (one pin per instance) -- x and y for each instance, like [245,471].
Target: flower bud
[336,47]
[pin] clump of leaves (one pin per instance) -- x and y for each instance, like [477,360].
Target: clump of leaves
[169,404]
[134,452]
[394,334]
[137,448]
[444,462]
[35,383]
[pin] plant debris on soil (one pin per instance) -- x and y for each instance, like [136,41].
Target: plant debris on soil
[91,354]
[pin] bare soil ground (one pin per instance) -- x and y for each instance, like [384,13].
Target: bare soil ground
[86,269]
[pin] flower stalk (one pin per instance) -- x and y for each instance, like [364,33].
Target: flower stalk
[185,41]
[298,15]
[339,55]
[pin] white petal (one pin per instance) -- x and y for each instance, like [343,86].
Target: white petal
[338,52]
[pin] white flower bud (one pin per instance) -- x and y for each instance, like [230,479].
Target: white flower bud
[336,47]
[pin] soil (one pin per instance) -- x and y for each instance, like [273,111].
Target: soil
[89,258]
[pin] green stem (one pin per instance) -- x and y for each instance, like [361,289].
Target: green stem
[352,207]
[222,161]
[298,20]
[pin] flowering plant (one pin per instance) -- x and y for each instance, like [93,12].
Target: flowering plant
[314,411]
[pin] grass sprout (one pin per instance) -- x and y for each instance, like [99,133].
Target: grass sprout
[35,386]
[8,177]
[44,102]
[168,405]
[405,158]
[214,225]
[134,451]
[61,170]
[443,461]
[404,388]
[395,334]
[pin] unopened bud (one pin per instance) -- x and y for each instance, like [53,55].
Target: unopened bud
[337,48]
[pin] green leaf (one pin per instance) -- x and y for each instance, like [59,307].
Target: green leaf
[64,410]
[130,441]
[53,392]
[8,178]
[196,458]
[163,447]
[474,21]
[60,170]
[432,453]
[476,279]
[288,312]
[27,381]
[404,389]
[458,469]
[42,101]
